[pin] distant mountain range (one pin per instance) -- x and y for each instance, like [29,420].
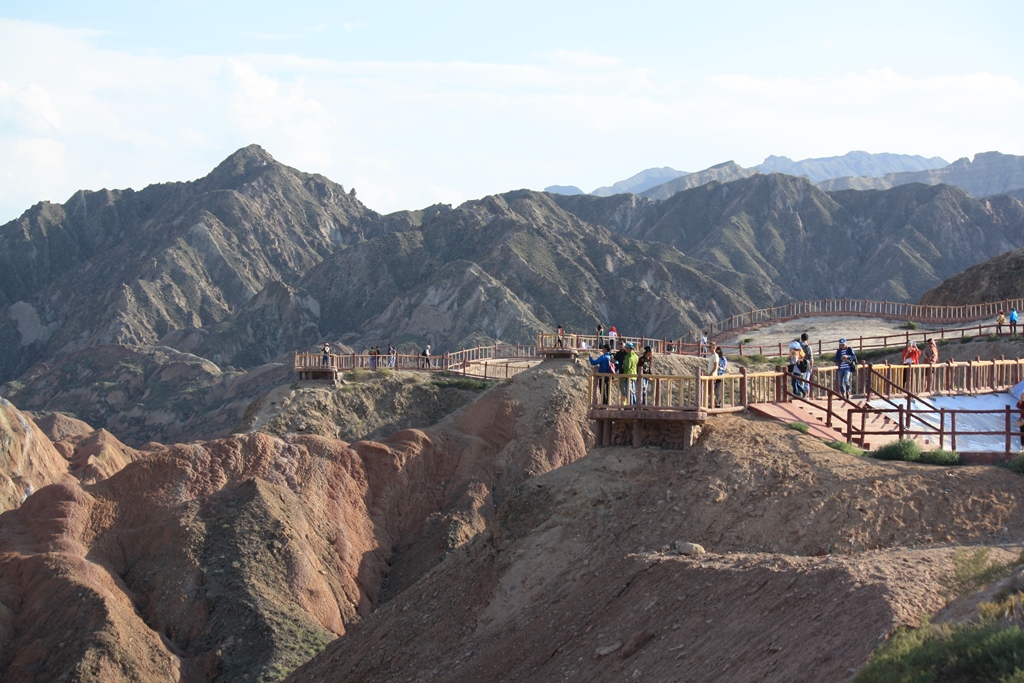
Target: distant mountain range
[990,173]
[113,297]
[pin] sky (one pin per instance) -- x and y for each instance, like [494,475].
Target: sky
[415,103]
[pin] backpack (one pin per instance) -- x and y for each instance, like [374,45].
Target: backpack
[722,364]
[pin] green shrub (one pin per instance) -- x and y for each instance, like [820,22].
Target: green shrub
[964,340]
[1017,464]
[847,448]
[970,652]
[972,570]
[358,375]
[385,372]
[909,325]
[940,457]
[757,358]
[799,426]
[747,340]
[993,337]
[467,383]
[904,449]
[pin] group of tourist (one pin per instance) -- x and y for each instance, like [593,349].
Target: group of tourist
[627,363]
[1002,320]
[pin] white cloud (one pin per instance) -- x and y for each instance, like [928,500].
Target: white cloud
[410,134]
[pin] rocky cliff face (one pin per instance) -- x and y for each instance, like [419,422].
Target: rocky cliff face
[998,278]
[811,244]
[722,173]
[128,267]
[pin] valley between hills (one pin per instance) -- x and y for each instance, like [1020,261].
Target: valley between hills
[180,507]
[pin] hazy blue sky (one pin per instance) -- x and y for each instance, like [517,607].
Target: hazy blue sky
[416,103]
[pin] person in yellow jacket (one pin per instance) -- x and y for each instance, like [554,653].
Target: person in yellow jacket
[629,365]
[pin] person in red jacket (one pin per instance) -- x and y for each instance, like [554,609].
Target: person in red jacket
[910,356]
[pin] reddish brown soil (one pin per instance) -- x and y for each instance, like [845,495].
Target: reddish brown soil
[814,557]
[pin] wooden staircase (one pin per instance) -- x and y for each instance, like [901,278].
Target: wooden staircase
[814,415]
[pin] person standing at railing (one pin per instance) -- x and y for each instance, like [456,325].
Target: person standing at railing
[327,354]
[1000,321]
[605,367]
[1013,320]
[930,358]
[703,345]
[600,336]
[613,335]
[796,366]
[717,365]
[909,358]
[645,366]
[629,366]
[560,340]
[392,354]
[426,357]
[808,363]
[846,361]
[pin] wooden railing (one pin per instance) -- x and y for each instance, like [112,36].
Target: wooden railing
[944,430]
[485,362]
[893,310]
[818,347]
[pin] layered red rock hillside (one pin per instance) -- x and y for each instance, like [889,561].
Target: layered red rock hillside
[239,559]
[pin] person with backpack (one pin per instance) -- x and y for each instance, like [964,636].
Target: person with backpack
[605,366]
[846,361]
[930,358]
[796,362]
[909,358]
[1000,321]
[808,366]
[629,366]
[645,366]
[426,356]
[1013,320]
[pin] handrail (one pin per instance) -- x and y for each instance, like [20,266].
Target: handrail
[923,313]
[900,409]
[829,393]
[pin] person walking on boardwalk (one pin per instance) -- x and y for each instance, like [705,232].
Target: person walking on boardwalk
[645,366]
[629,366]
[1000,321]
[1013,320]
[846,361]
[930,358]
[796,367]
[605,366]
[808,363]
[910,357]
[560,340]
[426,357]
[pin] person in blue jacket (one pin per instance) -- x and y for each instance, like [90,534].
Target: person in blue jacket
[1013,320]
[605,365]
[846,360]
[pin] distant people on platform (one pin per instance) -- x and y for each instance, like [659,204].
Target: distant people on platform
[1000,321]
[392,355]
[426,356]
[703,345]
[930,357]
[645,366]
[613,335]
[560,341]
[846,361]
[1013,321]
[619,356]
[600,336]
[796,366]
[327,354]
[717,365]
[604,365]
[911,356]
